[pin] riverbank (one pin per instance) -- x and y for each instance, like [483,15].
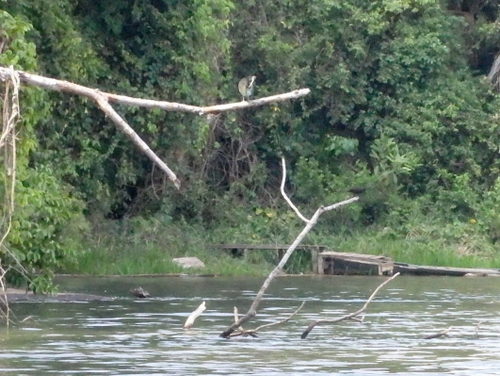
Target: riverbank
[133,248]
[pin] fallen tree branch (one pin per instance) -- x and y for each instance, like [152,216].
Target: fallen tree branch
[351,315]
[194,315]
[282,321]
[103,99]
[240,331]
[252,311]
[442,333]
[254,102]
[127,129]
[285,196]
[253,332]
[69,87]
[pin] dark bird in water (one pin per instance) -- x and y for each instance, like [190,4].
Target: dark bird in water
[246,87]
[139,292]
[357,190]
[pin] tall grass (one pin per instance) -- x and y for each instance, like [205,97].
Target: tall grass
[148,248]
[139,246]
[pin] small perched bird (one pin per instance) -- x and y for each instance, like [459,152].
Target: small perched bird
[246,86]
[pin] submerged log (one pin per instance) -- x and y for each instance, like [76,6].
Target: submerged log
[442,333]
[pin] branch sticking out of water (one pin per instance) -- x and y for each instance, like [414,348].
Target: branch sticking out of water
[310,223]
[253,332]
[194,315]
[351,315]
[442,333]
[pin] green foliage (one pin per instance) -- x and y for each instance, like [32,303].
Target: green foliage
[397,107]
[16,50]
[45,222]
[145,246]
[44,210]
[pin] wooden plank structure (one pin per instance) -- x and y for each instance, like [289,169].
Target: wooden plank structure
[444,270]
[330,262]
[325,261]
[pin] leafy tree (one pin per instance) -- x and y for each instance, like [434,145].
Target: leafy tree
[398,106]
[44,207]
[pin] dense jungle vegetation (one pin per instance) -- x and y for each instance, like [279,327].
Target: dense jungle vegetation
[400,105]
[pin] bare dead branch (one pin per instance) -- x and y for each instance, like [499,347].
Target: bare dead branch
[27,318]
[194,315]
[253,332]
[69,87]
[281,321]
[351,315]
[252,311]
[240,331]
[285,196]
[127,129]
[103,99]
[236,317]
[254,103]
[442,333]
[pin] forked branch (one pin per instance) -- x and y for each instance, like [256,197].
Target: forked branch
[103,100]
[252,311]
[253,332]
[350,316]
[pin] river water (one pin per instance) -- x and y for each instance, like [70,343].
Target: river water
[130,336]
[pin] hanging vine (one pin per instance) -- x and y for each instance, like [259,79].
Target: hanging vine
[10,117]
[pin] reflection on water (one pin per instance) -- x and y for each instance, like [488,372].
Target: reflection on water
[129,336]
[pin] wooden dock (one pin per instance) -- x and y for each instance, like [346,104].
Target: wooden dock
[330,262]
[325,261]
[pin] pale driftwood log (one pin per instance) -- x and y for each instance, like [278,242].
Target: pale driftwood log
[194,315]
[103,99]
[252,311]
[253,332]
[442,333]
[349,316]
[127,129]
[254,102]
[69,87]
